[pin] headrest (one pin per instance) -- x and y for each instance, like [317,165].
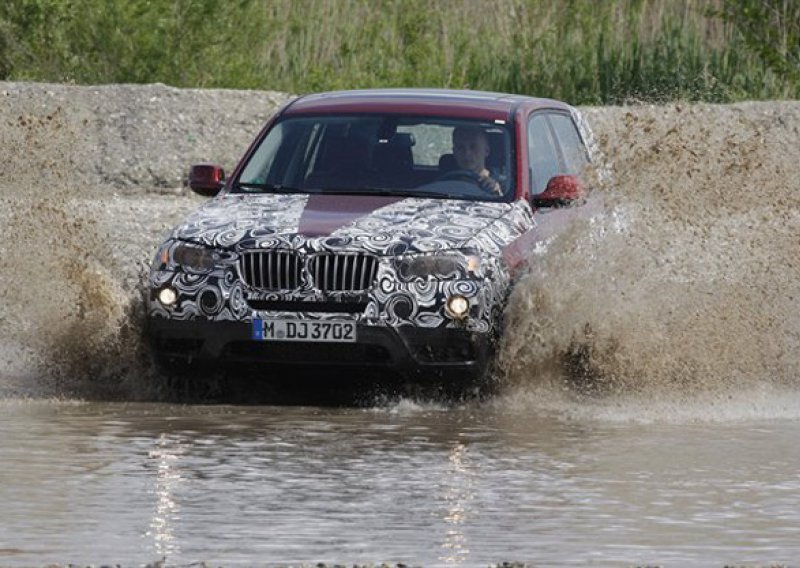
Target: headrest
[447,162]
[401,140]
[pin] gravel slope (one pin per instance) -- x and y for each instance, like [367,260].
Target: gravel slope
[132,136]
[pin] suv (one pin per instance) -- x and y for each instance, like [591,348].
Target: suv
[376,228]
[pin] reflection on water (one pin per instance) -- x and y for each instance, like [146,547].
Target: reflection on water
[167,456]
[457,495]
[414,484]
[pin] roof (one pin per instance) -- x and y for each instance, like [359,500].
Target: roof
[439,102]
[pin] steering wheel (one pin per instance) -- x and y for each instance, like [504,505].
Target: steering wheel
[486,185]
[461,175]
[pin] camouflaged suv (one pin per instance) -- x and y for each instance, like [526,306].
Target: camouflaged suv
[377,228]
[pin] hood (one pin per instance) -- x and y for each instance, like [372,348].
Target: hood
[382,225]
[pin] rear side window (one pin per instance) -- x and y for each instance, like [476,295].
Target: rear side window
[543,158]
[431,141]
[572,147]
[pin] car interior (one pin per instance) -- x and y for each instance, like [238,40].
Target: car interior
[353,161]
[369,153]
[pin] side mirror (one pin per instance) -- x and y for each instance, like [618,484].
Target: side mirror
[206,180]
[561,191]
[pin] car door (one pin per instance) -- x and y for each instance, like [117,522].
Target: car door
[555,147]
[574,154]
[544,159]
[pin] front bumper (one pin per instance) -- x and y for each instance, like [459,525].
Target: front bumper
[406,349]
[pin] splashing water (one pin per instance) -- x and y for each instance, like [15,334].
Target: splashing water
[64,316]
[688,281]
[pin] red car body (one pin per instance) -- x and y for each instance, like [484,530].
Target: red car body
[437,255]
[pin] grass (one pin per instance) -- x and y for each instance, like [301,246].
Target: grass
[582,51]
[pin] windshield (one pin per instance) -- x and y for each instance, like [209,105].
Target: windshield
[383,155]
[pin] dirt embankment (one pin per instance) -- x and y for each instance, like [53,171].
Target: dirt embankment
[126,136]
[141,137]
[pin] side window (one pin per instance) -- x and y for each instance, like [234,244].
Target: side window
[542,154]
[572,147]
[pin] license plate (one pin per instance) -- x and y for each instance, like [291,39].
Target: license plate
[304,330]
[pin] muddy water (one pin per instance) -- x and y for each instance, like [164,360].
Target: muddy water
[648,402]
[413,483]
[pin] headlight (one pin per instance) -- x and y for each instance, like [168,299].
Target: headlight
[190,256]
[438,265]
[457,307]
[167,296]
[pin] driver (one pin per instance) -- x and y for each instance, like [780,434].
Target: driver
[470,149]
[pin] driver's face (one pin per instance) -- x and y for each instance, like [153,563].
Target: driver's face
[470,150]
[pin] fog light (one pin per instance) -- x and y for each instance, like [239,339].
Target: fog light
[167,296]
[457,307]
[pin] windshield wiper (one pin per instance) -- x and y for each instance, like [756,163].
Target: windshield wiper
[273,188]
[386,192]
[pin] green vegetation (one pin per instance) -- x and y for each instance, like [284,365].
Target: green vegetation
[583,51]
